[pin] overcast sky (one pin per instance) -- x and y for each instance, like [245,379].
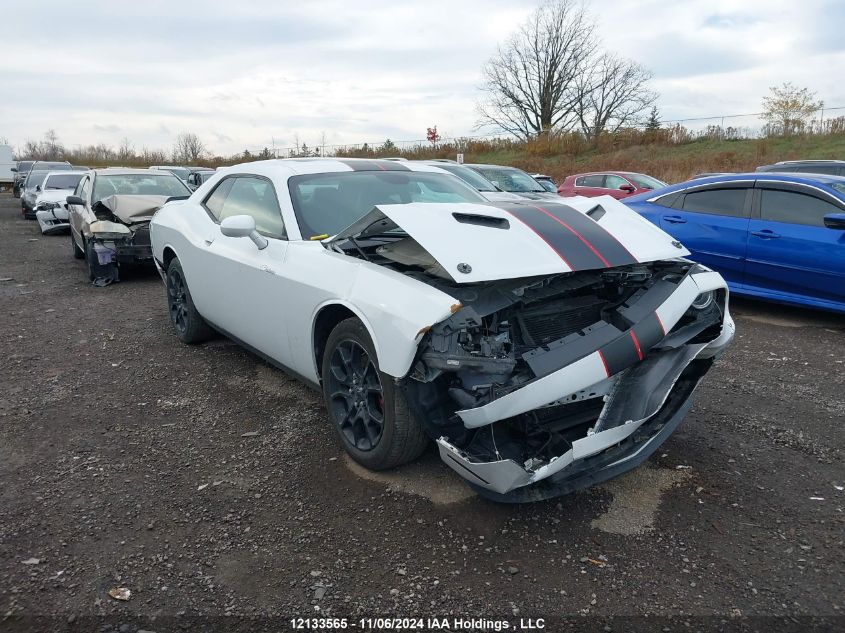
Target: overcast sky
[247,74]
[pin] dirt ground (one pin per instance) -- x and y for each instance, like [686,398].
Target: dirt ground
[211,486]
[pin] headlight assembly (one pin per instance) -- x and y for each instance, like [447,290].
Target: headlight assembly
[703,300]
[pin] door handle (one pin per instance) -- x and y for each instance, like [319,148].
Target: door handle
[674,219]
[765,233]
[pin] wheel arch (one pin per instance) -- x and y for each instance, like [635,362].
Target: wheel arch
[168,254]
[326,318]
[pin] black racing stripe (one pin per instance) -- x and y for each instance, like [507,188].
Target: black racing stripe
[544,360]
[373,165]
[620,354]
[649,332]
[599,238]
[568,246]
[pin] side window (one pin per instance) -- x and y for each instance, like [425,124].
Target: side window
[596,180]
[794,208]
[717,202]
[255,197]
[214,202]
[614,182]
[85,189]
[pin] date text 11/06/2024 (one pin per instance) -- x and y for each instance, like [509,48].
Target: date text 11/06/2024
[417,624]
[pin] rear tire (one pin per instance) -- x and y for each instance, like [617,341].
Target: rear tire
[368,411]
[189,325]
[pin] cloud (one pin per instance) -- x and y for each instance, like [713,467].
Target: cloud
[249,75]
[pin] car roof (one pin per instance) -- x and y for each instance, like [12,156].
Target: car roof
[801,179]
[492,166]
[609,171]
[128,171]
[299,166]
[66,172]
[811,161]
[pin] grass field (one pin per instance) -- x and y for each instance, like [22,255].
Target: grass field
[669,162]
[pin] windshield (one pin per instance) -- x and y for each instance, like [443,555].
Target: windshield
[325,204]
[548,185]
[24,166]
[205,175]
[35,178]
[645,182]
[62,181]
[138,185]
[472,178]
[54,166]
[510,179]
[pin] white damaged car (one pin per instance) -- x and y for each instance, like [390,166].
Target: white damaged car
[50,206]
[545,348]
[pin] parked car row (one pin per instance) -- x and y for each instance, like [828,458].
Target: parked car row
[544,343]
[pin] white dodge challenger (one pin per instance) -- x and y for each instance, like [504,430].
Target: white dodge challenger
[545,346]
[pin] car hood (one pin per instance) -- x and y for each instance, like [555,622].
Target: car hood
[500,196]
[54,195]
[476,243]
[131,208]
[536,195]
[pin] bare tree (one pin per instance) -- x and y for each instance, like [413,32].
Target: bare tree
[613,95]
[188,148]
[126,151]
[530,84]
[788,107]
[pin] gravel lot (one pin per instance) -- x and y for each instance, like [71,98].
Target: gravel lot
[211,486]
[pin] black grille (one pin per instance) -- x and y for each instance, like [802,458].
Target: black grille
[559,318]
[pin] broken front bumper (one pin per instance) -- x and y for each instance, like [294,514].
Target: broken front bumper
[641,400]
[608,454]
[54,220]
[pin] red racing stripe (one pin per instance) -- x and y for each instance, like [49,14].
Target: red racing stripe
[636,343]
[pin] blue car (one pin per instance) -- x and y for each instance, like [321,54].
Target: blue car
[774,236]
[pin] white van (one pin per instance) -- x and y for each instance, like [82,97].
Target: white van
[7,176]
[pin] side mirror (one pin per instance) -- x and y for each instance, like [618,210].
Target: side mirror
[243,226]
[628,188]
[14,169]
[835,221]
[75,200]
[38,187]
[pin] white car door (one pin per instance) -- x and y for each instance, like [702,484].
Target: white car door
[243,290]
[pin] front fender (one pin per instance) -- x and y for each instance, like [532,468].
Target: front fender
[396,311]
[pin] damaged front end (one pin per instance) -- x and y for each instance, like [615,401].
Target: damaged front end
[537,387]
[120,235]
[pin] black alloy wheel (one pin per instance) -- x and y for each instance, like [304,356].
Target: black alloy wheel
[356,395]
[177,299]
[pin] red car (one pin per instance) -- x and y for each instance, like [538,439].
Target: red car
[618,184]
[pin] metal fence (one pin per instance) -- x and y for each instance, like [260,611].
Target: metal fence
[722,127]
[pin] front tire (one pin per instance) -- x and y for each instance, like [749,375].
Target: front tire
[189,325]
[78,253]
[368,411]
